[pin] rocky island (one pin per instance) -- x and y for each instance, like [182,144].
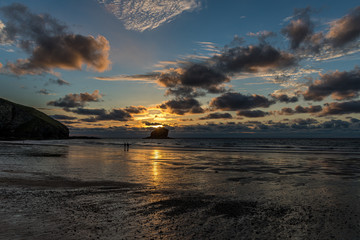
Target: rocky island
[159,133]
[22,122]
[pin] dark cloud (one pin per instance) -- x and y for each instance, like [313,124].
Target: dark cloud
[217,116]
[236,101]
[136,110]
[285,111]
[59,82]
[340,85]
[193,76]
[299,109]
[308,123]
[63,117]
[151,123]
[188,92]
[253,58]
[285,98]
[49,43]
[354,120]
[335,124]
[181,106]
[44,92]
[73,100]
[345,29]
[310,109]
[114,115]
[337,108]
[252,113]
[198,75]
[67,122]
[300,28]
[169,79]
[87,111]
[336,41]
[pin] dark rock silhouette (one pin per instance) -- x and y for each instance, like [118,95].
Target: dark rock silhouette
[159,133]
[22,122]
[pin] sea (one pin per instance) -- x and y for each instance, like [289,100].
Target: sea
[180,189]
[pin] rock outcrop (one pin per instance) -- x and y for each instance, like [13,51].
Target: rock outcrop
[159,133]
[22,122]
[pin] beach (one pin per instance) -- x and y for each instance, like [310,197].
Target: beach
[180,189]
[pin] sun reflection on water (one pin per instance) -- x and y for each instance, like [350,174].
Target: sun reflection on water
[156,156]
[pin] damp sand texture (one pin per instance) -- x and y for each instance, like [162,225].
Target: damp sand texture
[72,190]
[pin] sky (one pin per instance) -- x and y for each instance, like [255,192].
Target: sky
[201,68]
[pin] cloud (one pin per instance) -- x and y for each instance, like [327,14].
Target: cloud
[310,109]
[44,92]
[252,113]
[345,29]
[49,43]
[137,77]
[337,108]
[333,124]
[285,111]
[63,117]
[59,81]
[188,92]
[151,123]
[253,58]
[198,75]
[76,100]
[114,115]
[236,101]
[300,28]
[181,106]
[304,123]
[285,98]
[340,40]
[193,77]
[217,116]
[148,14]
[299,109]
[340,85]
[87,111]
[183,82]
[262,35]
[136,110]
[100,114]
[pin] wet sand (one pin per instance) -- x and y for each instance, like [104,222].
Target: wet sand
[82,192]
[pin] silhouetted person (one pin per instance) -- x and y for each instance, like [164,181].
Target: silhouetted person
[127,146]
[124,146]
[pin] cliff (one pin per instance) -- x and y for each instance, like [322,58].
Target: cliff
[22,122]
[159,133]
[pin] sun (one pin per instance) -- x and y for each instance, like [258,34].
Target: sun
[154,126]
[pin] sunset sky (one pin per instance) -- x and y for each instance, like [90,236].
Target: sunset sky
[202,68]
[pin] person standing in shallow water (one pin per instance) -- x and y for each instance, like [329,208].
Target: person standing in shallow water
[124,147]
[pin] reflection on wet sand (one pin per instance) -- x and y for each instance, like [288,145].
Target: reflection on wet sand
[87,192]
[156,156]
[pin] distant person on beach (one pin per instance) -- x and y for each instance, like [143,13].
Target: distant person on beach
[126,147]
